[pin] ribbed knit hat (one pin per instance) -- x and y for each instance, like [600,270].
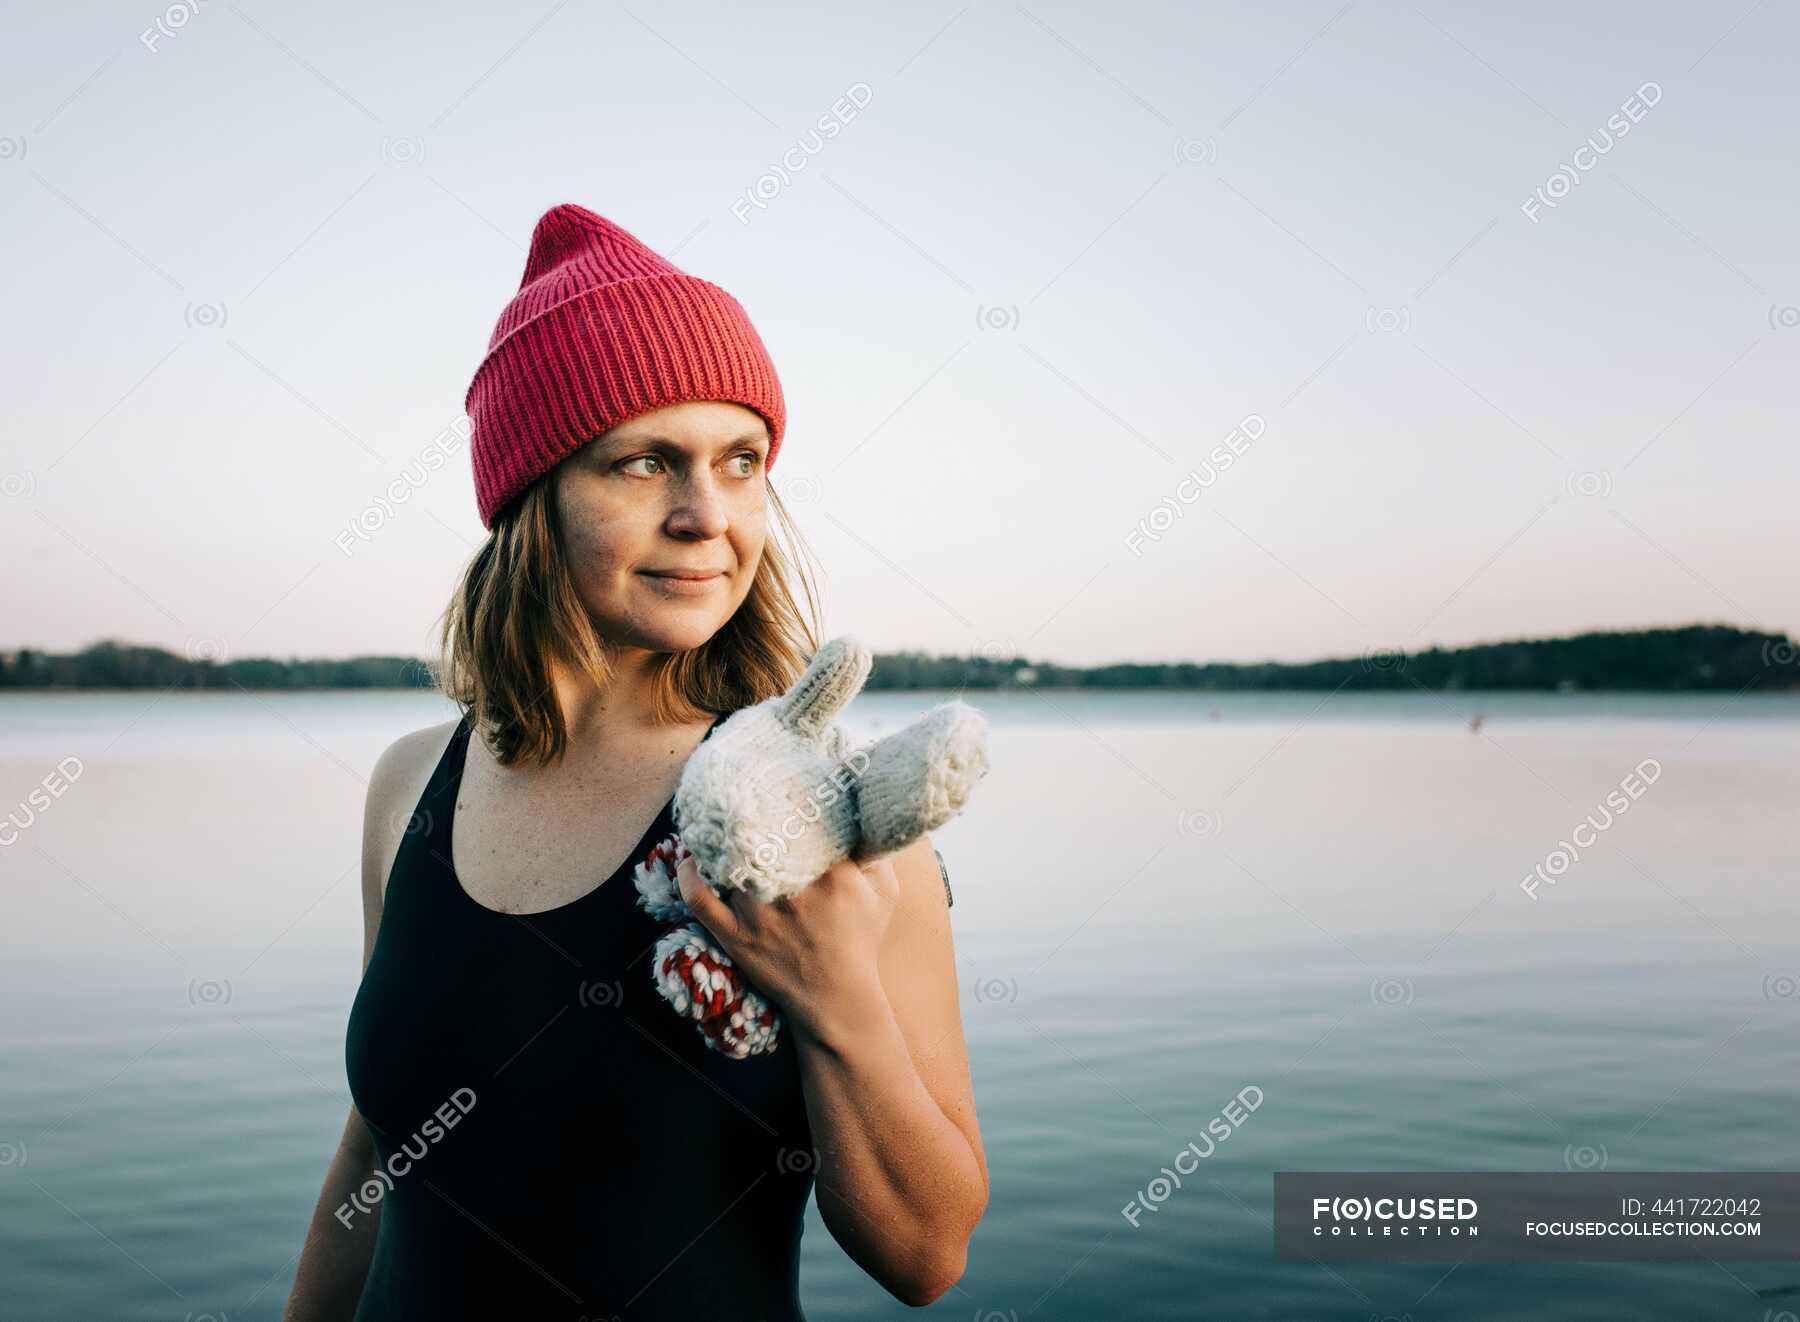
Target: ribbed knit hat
[601,330]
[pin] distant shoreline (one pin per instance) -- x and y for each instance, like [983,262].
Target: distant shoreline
[1699,658]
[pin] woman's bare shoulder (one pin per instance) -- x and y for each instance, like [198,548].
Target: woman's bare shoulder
[410,752]
[395,784]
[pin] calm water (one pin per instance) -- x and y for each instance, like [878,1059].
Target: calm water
[1159,901]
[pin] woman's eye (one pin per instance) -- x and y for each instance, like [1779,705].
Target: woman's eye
[749,462]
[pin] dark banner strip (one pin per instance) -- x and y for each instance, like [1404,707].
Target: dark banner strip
[1547,1216]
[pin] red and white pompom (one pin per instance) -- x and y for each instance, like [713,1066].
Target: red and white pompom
[659,893]
[692,974]
[699,981]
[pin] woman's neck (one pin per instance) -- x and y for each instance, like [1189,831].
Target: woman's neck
[624,709]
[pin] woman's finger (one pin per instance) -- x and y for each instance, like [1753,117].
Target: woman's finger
[714,914]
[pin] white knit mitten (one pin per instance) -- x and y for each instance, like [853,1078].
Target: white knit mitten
[772,799]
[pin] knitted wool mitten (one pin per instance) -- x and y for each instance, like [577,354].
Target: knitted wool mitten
[772,800]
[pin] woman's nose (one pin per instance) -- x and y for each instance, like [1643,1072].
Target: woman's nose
[700,509]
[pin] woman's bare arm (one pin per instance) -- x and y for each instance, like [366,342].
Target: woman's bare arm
[902,1177]
[862,965]
[334,1262]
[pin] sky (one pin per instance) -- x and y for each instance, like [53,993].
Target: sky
[1146,333]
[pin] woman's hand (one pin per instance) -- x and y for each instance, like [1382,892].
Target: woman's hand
[814,954]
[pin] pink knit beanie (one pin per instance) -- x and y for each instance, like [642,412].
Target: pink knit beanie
[601,330]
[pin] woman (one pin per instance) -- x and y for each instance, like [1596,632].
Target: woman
[535,1133]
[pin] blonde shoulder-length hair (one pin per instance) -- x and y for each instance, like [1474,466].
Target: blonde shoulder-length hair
[516,610]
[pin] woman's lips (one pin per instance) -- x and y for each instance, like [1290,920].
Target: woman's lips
[685,582]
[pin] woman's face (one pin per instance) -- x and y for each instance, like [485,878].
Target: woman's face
[675,492]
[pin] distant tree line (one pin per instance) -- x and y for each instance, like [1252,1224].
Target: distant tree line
[1693,657]
[115,665]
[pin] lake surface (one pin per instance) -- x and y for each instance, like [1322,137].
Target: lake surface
[1161,900]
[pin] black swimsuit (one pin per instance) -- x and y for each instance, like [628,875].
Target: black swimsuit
[552,1140]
